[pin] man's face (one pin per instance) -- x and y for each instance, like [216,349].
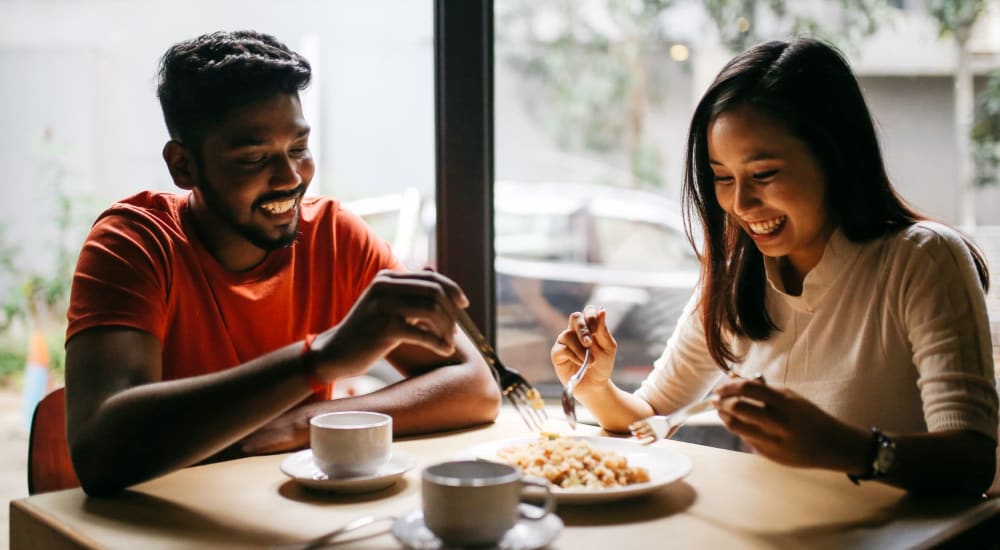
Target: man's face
[253,169]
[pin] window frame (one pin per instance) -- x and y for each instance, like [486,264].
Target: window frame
[463,93]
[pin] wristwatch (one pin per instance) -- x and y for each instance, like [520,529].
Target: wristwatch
[883,457]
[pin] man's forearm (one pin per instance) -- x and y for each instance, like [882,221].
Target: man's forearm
[151,429]
[445,398]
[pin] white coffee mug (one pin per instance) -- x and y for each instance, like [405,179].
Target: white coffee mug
[350,444]
[474,502]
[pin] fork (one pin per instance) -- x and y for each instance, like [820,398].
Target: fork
[526,400]
[654,428]
[568,402]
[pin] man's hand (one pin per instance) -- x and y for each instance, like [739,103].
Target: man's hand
[288,432]
[397,308]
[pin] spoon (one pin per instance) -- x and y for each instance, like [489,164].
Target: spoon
[568,401]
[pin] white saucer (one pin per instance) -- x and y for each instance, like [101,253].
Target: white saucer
[301,467]
[526,534]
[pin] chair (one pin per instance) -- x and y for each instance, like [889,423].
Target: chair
[49,464]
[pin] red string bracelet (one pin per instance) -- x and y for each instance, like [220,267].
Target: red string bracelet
[316,384]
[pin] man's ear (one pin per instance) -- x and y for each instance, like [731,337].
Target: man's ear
[181,164]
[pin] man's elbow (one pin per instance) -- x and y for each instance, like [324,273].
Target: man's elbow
[484,395]
[94,480]
[104,472]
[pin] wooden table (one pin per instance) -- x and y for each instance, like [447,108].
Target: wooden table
[729,500]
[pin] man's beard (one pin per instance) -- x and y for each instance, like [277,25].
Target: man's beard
[255,235]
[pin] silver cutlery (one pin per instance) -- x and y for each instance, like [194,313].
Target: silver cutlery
[568,401]
[329,539]
[654,428]
[526,399]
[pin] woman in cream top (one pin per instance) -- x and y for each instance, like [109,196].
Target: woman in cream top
[866,321]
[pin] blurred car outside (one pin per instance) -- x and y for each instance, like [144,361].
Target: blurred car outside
[560,246]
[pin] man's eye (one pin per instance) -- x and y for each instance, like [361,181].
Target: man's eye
[252,160]
[764,175]
[299,152]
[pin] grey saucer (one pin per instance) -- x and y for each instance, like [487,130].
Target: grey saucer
[301,467]
[525,535]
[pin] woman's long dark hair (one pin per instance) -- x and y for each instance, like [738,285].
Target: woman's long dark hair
[808,86]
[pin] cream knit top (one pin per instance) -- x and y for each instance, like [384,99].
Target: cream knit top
[891,333]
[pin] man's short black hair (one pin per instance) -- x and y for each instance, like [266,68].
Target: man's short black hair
[201,79]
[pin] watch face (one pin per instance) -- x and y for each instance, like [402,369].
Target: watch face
[885,457]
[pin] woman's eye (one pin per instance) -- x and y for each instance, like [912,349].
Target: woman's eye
[723,179]
[764,175]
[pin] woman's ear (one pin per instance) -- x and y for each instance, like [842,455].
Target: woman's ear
[180,163]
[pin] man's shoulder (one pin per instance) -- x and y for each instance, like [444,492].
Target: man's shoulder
[149,204]
[146,217]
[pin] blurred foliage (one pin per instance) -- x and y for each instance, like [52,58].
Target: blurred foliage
[12,362]
[986,132]
[588,68]
[956,17]
[41,289]
[738,21]
[584,80]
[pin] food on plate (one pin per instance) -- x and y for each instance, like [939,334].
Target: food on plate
[572,463]
[535,399]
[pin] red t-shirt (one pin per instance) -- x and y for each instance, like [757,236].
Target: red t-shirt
[142,266]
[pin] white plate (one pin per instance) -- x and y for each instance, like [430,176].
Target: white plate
[301,467]
[526,534]
[665,466]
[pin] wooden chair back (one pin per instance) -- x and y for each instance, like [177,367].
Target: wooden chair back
[49,464]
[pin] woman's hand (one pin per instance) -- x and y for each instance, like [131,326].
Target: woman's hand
[586,329]
[787,428]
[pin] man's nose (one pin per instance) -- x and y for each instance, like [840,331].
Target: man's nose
[285,172]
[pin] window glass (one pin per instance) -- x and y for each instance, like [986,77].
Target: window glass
[593,100]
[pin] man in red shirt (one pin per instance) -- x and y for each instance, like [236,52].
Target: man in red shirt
[213,322]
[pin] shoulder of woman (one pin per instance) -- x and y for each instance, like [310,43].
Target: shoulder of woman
[929,249]
[927,237]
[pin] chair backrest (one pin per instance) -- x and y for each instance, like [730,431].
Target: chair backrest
[49,464]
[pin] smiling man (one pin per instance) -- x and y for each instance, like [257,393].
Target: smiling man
[212,323]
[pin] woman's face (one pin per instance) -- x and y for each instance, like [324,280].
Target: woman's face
[770,183]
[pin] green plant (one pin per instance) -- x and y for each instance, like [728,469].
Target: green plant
[986,132]
[12,362]
[590,71]
[42,293]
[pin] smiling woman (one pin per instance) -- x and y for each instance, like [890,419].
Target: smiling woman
[770,184]
[819,277]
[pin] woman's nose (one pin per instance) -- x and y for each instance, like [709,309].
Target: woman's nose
[745,196]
